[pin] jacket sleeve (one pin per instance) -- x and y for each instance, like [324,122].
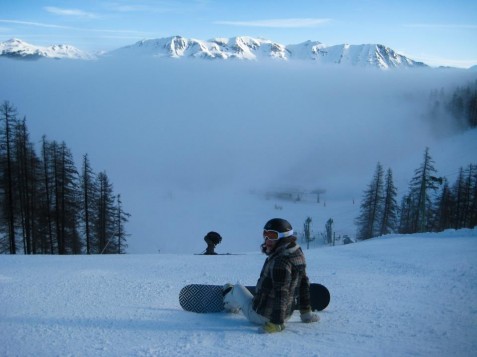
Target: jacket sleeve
[304,302]
[281,276]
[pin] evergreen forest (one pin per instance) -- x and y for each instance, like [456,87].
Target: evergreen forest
[432,203]
[47,204]
[460,104]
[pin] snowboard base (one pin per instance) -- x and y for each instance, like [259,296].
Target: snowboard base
[202,298]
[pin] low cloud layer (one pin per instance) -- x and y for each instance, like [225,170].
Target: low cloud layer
[165,129]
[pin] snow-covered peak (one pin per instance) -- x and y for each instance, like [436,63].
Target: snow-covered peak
[306,50]
[172,47]
[17,48]
[366,55]
[245,47]
[219,48]
[14,42]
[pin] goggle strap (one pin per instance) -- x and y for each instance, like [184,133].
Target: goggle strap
[285,234]
[282,235]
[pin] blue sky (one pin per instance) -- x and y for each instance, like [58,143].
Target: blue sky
[437,32]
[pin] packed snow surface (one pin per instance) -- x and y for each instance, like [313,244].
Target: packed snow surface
[411,295]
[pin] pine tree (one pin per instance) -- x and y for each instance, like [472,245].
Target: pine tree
[89,192]
[307,232]
[464,190]
[371,207]
[47,204]
[390,209]
[406,219]
[120,234]
[471,173]
[445,212]
[423,184]
[104,218]
[66,205]
[472,108]
[473,201]
[27,194]
[460,191]
[9,118]
[329,231]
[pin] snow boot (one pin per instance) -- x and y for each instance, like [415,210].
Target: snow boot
[228,305]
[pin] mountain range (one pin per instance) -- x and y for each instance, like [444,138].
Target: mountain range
[19,49]
[236,48]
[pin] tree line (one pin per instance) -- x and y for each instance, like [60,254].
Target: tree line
[461,104]
[432,204]
[47,205]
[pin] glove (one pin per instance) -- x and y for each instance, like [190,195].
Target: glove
[270,327]
[307,316]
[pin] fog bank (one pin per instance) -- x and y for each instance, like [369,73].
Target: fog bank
[185,142]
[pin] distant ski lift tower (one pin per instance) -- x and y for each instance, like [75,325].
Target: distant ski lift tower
[318,192]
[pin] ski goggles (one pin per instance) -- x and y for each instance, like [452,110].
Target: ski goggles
[269,234]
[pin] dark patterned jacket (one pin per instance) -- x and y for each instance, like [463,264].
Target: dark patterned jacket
[283,281]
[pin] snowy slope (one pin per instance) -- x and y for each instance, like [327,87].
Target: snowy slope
[392,296]
[16,48]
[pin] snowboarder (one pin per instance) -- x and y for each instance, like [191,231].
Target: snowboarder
[283,280]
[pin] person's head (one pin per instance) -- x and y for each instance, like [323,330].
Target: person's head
[275,230]
[213,238]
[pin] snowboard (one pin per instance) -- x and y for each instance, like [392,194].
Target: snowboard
[203,298]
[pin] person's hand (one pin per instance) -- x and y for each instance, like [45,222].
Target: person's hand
[270,327]
[307,316]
